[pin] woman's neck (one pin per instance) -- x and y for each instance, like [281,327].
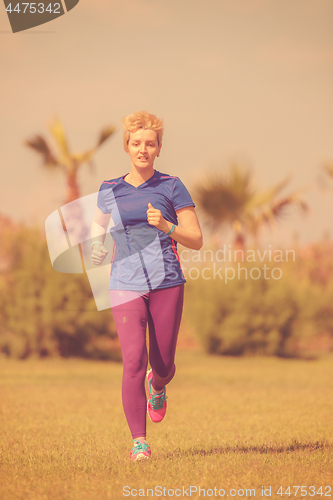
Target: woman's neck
[136,177]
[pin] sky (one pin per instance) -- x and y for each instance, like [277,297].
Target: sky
[234,80]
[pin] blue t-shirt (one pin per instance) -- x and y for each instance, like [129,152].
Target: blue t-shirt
[144,258]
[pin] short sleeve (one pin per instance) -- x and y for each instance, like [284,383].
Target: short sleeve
[181,196]
[101,199]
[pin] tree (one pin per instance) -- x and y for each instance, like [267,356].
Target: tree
[232,199]
[63,159]
[69,163]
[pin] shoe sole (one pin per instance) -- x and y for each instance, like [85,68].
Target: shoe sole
[140,457]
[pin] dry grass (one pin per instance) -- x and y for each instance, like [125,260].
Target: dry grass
[231,423]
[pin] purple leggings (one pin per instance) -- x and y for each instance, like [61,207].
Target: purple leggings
[162,310]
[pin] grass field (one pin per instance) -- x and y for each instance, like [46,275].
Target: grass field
[236,424]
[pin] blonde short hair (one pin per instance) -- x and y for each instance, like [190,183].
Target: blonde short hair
[142,119]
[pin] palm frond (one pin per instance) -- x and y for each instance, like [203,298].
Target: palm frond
[40,145]
[59,135]
[267,195]
[223,197]
[86,156]
[105,133]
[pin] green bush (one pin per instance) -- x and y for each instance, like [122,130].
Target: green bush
[278,317]
[47,313]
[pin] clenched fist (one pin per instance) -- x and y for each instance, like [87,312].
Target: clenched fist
[155,218]
[98,254]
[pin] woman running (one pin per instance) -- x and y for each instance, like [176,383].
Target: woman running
[146,282]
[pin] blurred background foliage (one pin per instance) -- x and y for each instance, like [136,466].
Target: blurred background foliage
[46,313]
[288,317]
[232,199]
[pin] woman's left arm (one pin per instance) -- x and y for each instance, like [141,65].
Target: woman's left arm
[187,234]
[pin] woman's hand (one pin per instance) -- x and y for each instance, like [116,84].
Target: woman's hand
[187,234]
[99,252]
[155,218]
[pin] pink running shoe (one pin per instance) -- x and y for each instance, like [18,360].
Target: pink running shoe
[157,404]
[140,451]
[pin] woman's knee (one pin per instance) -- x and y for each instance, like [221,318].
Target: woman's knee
[166,372]
[134,364]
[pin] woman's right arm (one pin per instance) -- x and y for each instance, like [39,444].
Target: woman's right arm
[98,234]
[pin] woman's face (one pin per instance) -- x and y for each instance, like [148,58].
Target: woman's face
[143,148]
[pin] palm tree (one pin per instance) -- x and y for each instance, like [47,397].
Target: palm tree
[69,163]
[63,159]
[232,199]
